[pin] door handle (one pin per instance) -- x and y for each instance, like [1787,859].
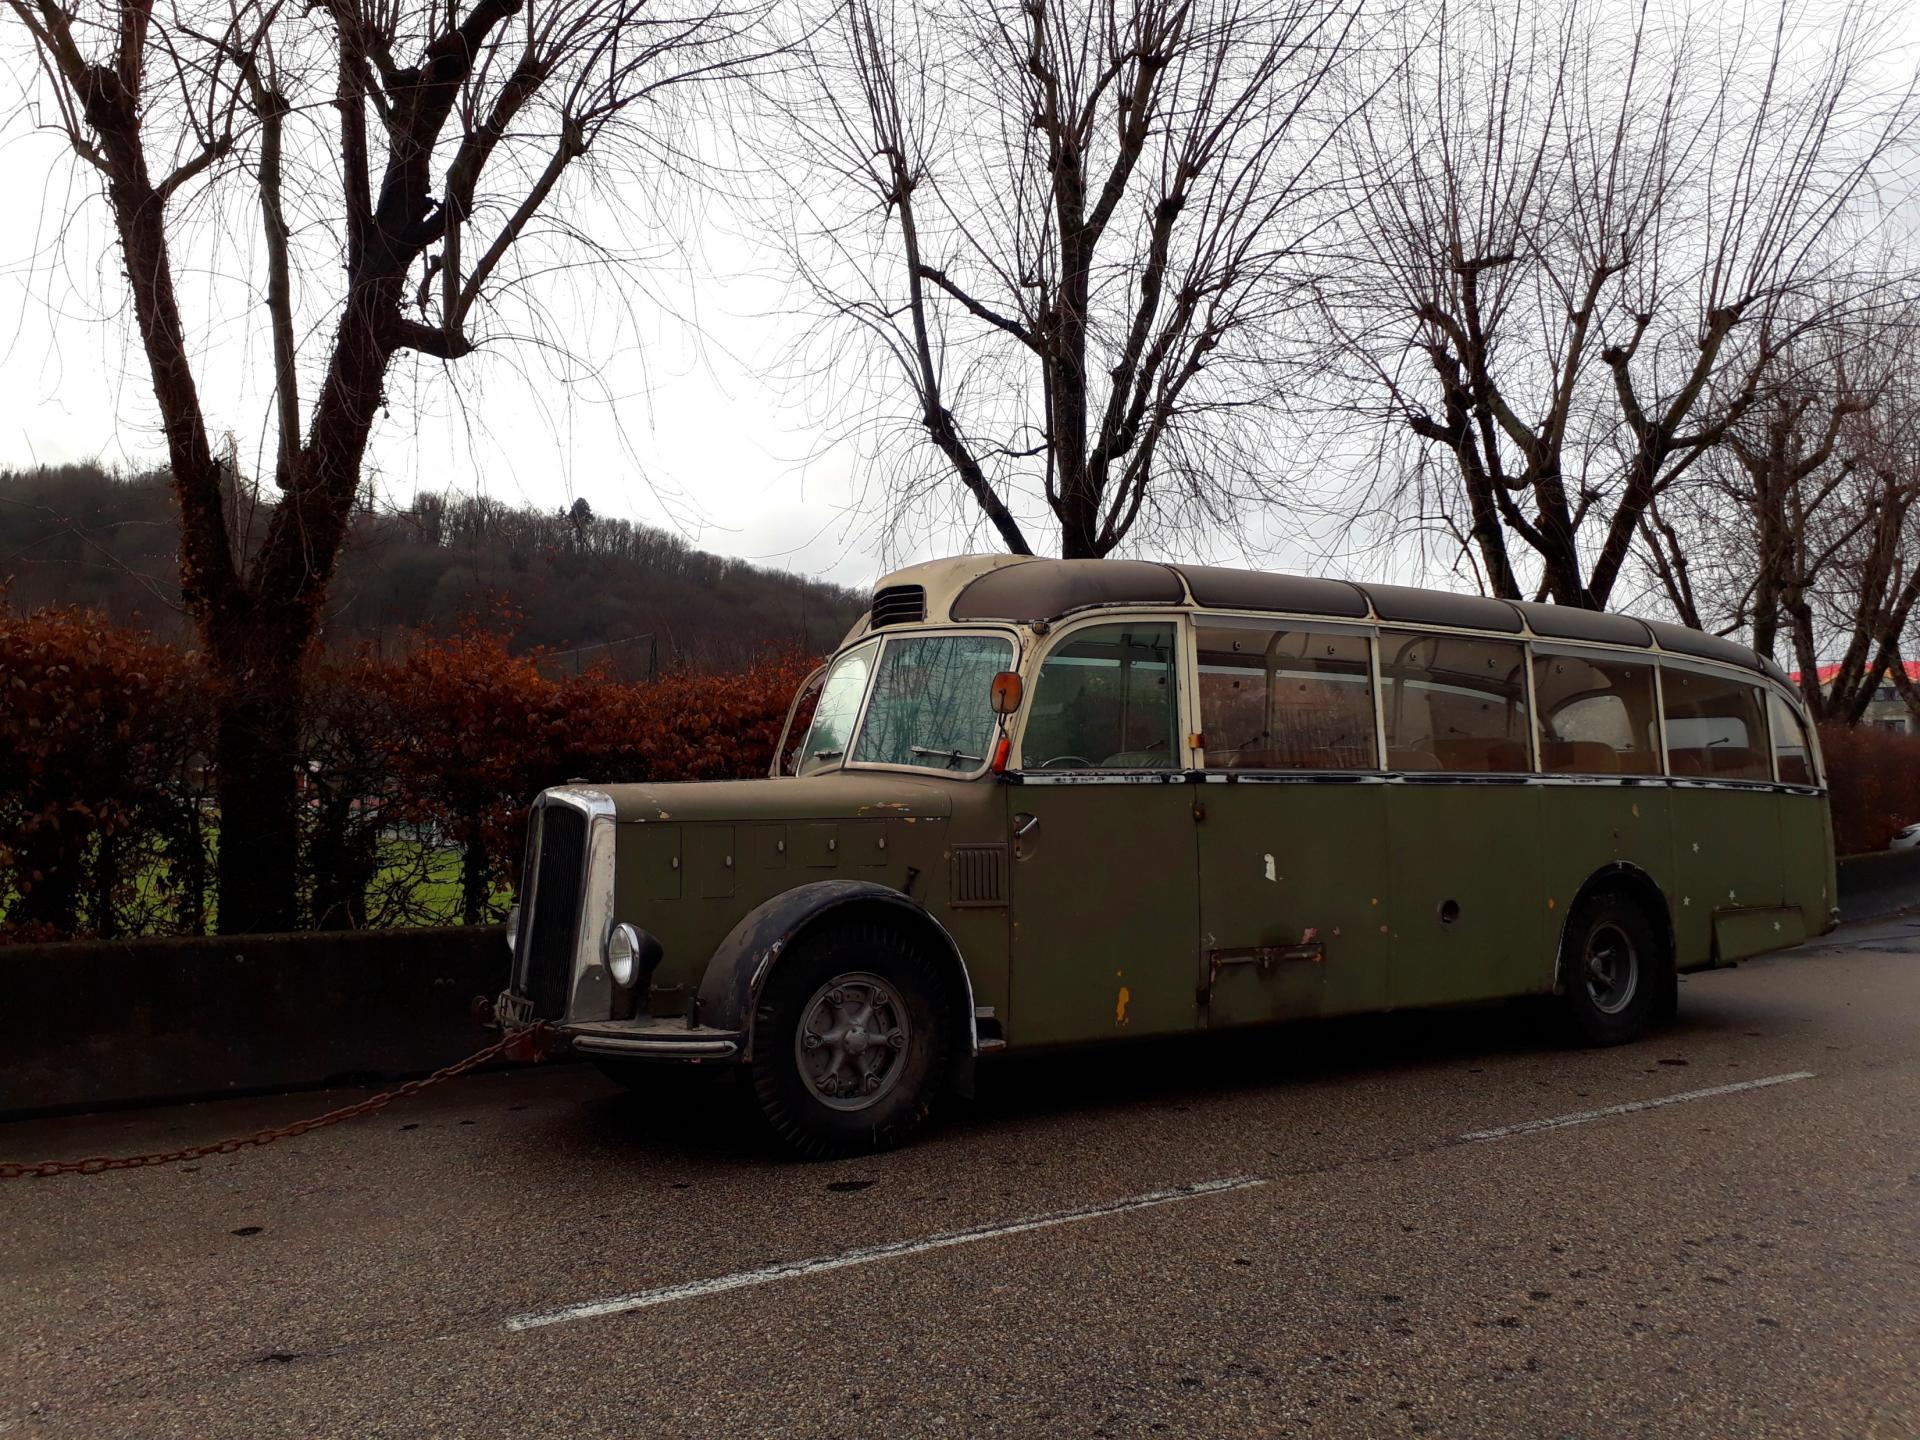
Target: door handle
[1024,825]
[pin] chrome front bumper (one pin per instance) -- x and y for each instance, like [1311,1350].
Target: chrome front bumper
[653,1037]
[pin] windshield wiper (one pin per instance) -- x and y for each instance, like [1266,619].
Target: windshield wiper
[948,755]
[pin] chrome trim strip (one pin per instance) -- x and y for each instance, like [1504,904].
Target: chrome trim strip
[1400,777]
[656,1046]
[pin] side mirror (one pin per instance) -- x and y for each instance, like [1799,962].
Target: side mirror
[1008,690]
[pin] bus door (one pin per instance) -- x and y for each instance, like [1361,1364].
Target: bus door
[1101,817]
[1293,840]
[1728,878]
[1463,820]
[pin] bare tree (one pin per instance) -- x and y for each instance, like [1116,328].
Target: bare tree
[1588,233]
[1055,243]
[1802,532]
[424,148]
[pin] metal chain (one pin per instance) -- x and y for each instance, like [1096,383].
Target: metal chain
[532,1040]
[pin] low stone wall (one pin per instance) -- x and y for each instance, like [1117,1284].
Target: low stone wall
[90,1025]
[1880,884]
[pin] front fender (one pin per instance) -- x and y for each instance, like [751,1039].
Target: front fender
[730,988]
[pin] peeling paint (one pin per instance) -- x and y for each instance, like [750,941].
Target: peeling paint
[1269,860]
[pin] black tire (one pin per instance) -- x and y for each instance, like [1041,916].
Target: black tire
[1613,968]
[873,960]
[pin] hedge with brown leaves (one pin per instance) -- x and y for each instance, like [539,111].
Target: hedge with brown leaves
[1873,779]
[416,773]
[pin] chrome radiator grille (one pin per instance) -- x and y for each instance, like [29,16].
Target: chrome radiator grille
[550,900]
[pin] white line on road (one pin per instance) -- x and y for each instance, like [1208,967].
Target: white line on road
[1581,1117]
[866,1255]
[792,1269]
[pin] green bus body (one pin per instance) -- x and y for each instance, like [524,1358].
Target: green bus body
[1070,898]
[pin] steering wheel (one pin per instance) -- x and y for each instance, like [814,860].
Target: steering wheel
[1075,762]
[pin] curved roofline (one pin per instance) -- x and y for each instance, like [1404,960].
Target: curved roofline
[1032,590]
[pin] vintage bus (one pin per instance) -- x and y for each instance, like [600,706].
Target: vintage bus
[1041,803]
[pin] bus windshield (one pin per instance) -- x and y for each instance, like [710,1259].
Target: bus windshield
[932,703]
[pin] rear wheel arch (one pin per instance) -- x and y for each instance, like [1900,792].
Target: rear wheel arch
[1629,881]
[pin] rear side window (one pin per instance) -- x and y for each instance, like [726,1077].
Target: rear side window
[1280,699]
[1716,728]
[1596,716]
[1792,751]
[1454,703]
[1105,700]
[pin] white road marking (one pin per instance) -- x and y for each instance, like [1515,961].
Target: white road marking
[866,1255]
[1581,1117]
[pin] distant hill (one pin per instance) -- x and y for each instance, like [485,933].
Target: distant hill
[573,582]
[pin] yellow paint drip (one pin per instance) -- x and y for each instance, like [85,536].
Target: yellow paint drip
[1120,1006]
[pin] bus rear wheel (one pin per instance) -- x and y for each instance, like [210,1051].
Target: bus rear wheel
[850,1041]
[1611,969]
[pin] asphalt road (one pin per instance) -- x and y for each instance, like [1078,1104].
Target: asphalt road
[1288,1234]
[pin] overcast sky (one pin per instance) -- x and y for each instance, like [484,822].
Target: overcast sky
[693,439]
[685,426]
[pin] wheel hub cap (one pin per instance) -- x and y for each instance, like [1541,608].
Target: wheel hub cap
[1613,969]
[852,1043]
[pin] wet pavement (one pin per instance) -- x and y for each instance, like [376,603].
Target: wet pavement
[1362,1228]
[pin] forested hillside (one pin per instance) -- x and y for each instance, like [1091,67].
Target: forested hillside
[590,589]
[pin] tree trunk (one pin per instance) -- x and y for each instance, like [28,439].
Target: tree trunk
[474,887]
[256,755]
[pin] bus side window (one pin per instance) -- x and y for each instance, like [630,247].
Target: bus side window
[1716,728]
[1596,716]
[1105,700]
[1274,698]
[1454,702]
[1792,753]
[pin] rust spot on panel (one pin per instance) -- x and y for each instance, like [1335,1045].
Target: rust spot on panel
[1552,903]
[1120,1006]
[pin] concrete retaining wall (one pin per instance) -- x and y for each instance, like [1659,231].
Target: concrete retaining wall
[91,1025]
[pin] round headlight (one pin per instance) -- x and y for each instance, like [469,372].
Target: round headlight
[623,954]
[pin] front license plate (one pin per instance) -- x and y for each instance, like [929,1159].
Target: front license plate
[514,1012]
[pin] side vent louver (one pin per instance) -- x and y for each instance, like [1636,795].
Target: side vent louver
[898,605]
[979,875]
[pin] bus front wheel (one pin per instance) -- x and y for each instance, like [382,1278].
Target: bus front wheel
[850,1041]
[1611,969]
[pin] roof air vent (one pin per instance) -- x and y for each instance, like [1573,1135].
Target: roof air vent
[898,605]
